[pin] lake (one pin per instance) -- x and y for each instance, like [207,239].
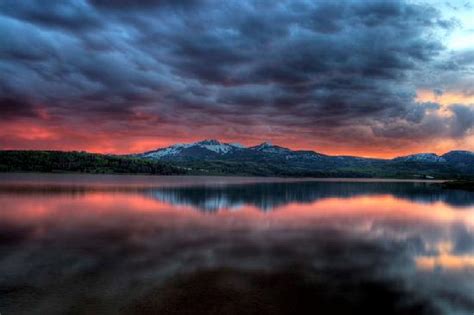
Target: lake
[106,244]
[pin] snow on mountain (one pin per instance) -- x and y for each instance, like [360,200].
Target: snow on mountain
[213,146]
[268,147]
[169,151]
[217,147]
[422,157]
[213,149]
[209,150]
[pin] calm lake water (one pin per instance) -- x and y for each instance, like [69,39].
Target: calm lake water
[85,244]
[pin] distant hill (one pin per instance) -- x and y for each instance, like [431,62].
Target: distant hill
[211,157]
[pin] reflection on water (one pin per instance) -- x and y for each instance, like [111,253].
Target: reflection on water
[200,246]
[269,196]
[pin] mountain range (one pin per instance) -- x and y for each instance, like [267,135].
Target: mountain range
[211,157]
[214,157]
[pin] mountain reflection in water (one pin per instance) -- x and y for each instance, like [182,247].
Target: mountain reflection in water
[268,196]
[248,248]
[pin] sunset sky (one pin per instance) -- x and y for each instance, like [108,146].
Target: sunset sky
[366,78]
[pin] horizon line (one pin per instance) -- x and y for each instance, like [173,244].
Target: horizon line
[242,146]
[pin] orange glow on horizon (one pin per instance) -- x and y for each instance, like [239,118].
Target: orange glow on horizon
[28,135]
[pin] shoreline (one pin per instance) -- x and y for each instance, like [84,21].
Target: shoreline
[15,182]
[237,176]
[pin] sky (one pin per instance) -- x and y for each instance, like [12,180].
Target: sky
[368,78]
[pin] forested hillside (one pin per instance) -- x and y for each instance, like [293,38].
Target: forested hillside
[57,161]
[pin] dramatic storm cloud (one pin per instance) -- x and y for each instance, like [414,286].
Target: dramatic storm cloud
[361,77]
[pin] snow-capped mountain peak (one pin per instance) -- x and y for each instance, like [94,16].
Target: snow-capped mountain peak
[210,146]
[268,147]
[213,149]
[422,157]
[215,146]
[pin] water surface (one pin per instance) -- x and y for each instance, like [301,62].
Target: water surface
[85,244]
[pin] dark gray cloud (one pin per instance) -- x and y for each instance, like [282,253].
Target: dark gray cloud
[463,119]
[74,15]
[312,66]
[144,4]
[13,107]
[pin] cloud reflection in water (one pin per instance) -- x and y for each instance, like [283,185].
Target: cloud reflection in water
[339,248]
